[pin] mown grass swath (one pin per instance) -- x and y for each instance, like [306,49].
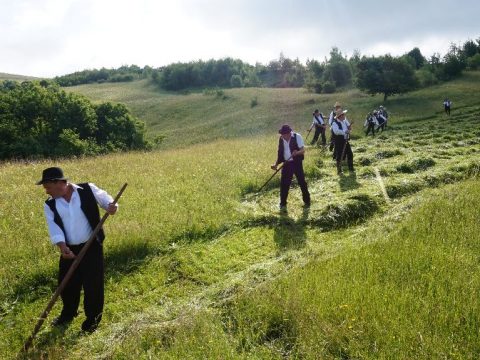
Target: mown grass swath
[199,266]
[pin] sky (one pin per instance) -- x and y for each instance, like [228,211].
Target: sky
[47,38]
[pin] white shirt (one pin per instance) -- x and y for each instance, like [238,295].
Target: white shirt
[375,122]
[77,227]
[331,117]
[319,122]
[286,146]
[337,131]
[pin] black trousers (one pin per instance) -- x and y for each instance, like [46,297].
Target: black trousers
[371,126]
[319,131]
[332,141]
[381,125]
[289,169]
[340,144]
[89,275]
[447,110]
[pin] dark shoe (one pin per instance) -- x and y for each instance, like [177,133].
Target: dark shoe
[62,320]
[89,325]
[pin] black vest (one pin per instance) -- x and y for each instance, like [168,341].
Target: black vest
[89,206]
[293,146]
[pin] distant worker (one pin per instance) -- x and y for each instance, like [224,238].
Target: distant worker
[291,150]
[384,113]
[341,128]
[447,104]
[331,118]
[72,214]
[381,120]
[319,124]
[370,123]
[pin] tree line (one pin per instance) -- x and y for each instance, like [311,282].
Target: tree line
[122,74]
[38,119]
[387,75]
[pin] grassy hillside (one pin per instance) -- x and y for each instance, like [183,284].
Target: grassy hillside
[197,118]
[5,76]
[200,266]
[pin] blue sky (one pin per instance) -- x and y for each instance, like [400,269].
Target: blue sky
[46,38]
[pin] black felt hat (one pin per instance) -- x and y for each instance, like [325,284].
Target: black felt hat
[51,174]
[285,129]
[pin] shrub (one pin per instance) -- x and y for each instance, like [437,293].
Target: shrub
[236,81]
[426,78]
[473,62]
[253,102]
[328,87]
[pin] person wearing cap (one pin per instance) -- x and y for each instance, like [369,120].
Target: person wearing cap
[331,118]
[72,213]
[291,152]
[341,128]
[319,124]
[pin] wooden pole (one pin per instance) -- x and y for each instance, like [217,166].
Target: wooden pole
[69,274]
[275,173]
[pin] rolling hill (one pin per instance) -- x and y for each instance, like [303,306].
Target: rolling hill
[384,264]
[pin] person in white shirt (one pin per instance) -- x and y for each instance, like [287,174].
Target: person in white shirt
[341,128]
[319,123]
[381,120]
[370,123]
[446,104]
[331,118]
[72,213]
[291,150]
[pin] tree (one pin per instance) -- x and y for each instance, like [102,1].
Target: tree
[385,75]
[314,76]
[236,81]
[416,55]
[38,119]
[337,69]
[469,49]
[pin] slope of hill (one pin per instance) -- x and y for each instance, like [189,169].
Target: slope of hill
[200,266]
[5,76]
[196,117]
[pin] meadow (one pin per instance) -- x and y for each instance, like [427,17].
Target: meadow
[201,266]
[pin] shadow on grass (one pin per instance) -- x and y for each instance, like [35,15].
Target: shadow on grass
[119,261]
[348,182]
[290,234]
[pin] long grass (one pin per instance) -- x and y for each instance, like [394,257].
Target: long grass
[193,242]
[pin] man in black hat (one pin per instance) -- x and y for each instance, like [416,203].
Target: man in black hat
[72,213]
[291,152]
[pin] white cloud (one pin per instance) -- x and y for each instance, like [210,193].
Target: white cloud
[55,37]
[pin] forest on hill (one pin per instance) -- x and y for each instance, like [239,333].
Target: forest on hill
[385,74]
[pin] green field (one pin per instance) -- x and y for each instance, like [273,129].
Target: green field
[200,266]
